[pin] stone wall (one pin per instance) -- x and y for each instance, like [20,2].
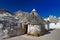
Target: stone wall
[35,30]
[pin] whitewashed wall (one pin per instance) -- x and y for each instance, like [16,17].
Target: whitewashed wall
[33,29]
[53,25]
[58,25]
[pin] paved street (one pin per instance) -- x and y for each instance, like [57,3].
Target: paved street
[53,35]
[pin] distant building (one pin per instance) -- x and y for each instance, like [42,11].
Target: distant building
[54,22]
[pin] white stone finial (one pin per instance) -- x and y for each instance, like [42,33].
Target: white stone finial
[33,10]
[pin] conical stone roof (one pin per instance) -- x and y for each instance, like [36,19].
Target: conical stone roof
[4,12]
[34,12]
[29,18]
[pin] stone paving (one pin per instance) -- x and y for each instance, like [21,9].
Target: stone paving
[53,35]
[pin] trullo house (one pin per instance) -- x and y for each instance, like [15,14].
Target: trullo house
[21,23]
[31,23]
[4,12]
[8,24]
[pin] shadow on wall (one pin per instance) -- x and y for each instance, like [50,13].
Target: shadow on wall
[47,31]
[48,28]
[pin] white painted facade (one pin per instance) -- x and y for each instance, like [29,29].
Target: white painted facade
[53,25]
[32,29]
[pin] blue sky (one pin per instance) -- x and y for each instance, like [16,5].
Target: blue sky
[43,7]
